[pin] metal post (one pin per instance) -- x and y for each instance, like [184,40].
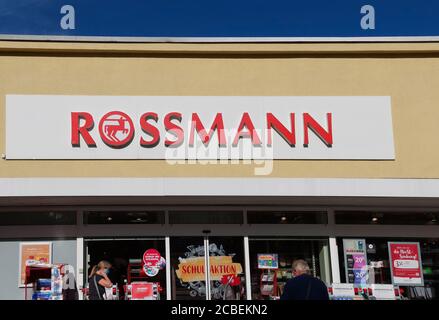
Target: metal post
[248,282]
[313,260]
[168,268]
[207,266]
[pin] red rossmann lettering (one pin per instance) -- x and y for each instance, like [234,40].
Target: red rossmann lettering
[83,123]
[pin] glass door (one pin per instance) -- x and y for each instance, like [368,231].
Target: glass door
[227,268]
[225,279]
[188,262]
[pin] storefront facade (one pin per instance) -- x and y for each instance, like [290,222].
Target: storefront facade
[92,207]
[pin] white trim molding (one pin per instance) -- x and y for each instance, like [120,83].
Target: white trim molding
[218,39]
[195,186]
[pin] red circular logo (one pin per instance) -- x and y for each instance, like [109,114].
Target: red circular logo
[116,129]
[151,258]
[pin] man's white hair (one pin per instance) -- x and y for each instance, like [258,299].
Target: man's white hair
[301,266]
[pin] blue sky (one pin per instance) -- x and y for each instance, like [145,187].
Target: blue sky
[220,18]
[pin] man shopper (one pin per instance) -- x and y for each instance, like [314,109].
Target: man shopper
[304,286]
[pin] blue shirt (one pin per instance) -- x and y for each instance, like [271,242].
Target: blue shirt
[305,287]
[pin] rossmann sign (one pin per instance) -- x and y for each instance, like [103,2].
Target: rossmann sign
[198,127]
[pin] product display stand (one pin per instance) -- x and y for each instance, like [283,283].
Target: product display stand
[46,281]
[268,283]
[138,286]
[135,271]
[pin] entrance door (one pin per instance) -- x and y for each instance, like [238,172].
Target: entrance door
[227,268]
[187,268]
[225,279]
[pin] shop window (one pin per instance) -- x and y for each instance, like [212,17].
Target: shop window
[378,265]
[128,217]
[387,218]
[37,218]
[206,217]
[271,262]
[287,217]
[126,259]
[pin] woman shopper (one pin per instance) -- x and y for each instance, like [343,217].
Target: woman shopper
[99,280]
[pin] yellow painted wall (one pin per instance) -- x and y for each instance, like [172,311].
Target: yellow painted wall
[409,73]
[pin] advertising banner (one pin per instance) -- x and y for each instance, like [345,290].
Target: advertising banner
[193,269]
[268,261]
[143,290]
[355,257]
[33,253]
[153,262]
[406,263]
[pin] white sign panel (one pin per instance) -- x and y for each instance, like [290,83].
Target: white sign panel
[198,127]
[343,290]
[383,291]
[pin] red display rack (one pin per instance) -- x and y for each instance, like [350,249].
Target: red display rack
[135,273]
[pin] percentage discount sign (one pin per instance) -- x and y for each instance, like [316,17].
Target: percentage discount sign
[359,259]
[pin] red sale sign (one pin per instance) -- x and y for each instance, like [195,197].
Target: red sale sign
[151,257]
[406,263]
